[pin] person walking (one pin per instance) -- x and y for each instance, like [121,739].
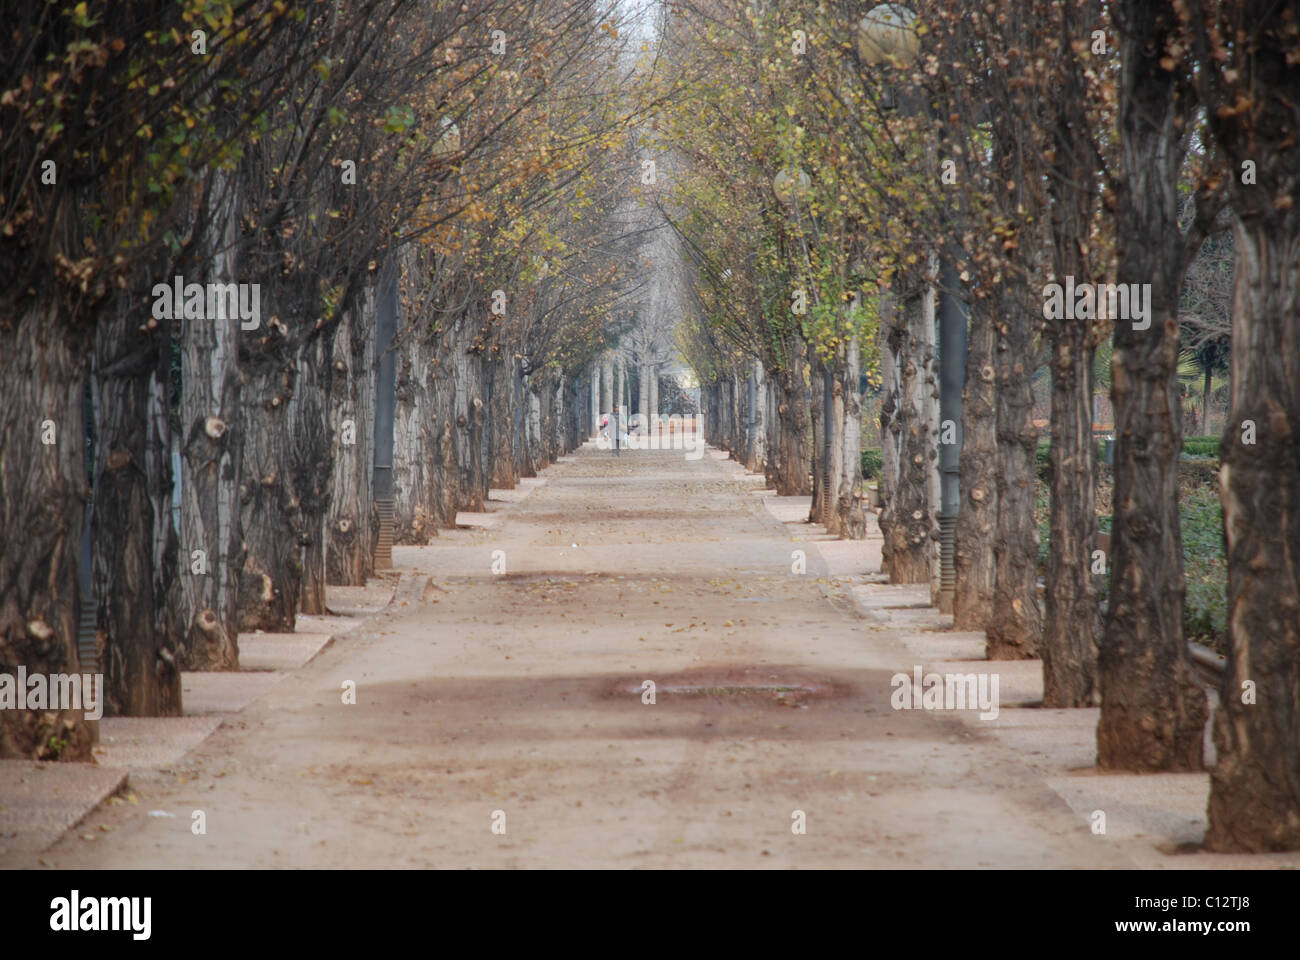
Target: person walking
[616,427]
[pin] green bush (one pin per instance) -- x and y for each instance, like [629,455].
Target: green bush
[1201,447]
[1192,447]
[872,462]
[1205,611]
[1205,608]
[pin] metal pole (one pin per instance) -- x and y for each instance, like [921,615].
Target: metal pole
[385,403]
[828,432]
[87,614]
[953,314]
[751,432]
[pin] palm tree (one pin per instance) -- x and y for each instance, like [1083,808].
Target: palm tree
[1204,366]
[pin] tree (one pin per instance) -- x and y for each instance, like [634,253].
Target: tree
[1152,709]
[1249,81]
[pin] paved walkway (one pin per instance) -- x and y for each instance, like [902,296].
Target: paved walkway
[504,687]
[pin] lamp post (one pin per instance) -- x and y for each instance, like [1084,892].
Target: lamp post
[887,35]
[385,405]
[448,143]
[791,187]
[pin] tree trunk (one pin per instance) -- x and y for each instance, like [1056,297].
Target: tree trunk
[1255,789]
[443,471]
[792,451]
[1205,403]
[1152,710]
[314,444]
[620,387]
[1069,647]
[908,520]
[760,429]
[350,557]
[211,448]
[287,452]
[505,468]
[850,511]
[977,519]
[42,509]
[891,400]
[1071,623]
[643,391]
[132,540]
[1014,628]
[413,520]
[817,512]
[654,399]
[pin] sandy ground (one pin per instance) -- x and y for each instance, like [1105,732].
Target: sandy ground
[515,698]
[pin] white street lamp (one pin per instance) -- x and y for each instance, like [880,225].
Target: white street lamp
[888,35]
[449,142]
[790,185]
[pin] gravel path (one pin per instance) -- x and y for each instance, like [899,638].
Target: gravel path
[485,697]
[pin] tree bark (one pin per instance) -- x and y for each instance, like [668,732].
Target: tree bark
[413,521]
[132,540]
[977,520]
[1152,710]
[505,468]
[287,452]
[444,472]
[42,508]
[792,451]
[1071,622]
[1205,403]
[1014,628]
[1069,647]
[850,510]
[760,431]
[908,519]
[350,557]
[654,399]
[817,507]
[1255,788]
[211,447]
[891,401]
[313,446]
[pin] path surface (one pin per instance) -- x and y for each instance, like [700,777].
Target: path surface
[521,693]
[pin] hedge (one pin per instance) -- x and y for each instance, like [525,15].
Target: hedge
[872,462]
[1194,447]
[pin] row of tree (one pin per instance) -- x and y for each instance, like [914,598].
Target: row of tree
[836,190]
[270,269]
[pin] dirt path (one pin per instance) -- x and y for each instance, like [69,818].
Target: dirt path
[521,693]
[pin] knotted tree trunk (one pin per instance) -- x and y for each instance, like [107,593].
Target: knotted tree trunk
[1152,710]
[133,543]
[908,519]
[211,549]
[977,519]
[349,527]
[42,509]
[1255,788]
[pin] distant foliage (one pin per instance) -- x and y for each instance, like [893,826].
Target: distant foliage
[872,462]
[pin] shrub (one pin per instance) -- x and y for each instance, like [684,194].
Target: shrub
[1205,607]
[872,462]
[1205,612]
[1201,447]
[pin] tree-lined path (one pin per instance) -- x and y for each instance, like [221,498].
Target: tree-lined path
[521,692]
[301,300]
